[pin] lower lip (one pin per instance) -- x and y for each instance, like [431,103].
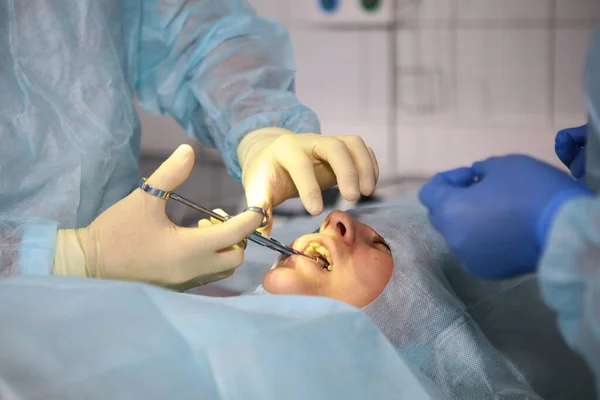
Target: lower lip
[283,261]
[316,264]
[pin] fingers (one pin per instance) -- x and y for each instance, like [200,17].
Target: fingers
[259,195]
[214,221]
[227,260]
[578,134]
[375,163]
[364,162]
[301,170]
[336,153]
[460,177]
[438,189]
[220,212]
[175,170]
[565,148]
[482,168]
[432,192]
[266,231]
[441,192]
[207,223]
[578,165]
[352,163]
[223,235]
[172,173]
[258,192]
[568,144]
[204,223]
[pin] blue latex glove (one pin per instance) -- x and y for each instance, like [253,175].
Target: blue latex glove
[496,215]
[569,147]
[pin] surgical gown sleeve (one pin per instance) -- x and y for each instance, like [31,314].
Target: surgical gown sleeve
[569,273]
[27,245]
[220,70]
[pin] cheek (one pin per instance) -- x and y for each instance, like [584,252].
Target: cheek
[385,268]
[374,273]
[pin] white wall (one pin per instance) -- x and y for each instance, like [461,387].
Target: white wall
[509,76]
[434,84]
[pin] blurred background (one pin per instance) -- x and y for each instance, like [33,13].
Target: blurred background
[429,84]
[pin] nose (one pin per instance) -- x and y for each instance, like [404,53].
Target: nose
[340,224]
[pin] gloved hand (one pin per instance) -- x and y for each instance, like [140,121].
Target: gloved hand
[496,215]
[570,149]
[135,240]
[278,164]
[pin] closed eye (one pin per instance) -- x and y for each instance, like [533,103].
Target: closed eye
[379,240]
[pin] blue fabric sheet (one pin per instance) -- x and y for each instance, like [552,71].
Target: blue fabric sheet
[66,338]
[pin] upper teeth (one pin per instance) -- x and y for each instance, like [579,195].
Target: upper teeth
[317,248]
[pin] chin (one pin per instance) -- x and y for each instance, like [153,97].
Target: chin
[282,281]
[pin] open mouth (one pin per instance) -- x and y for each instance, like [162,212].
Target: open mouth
[322,253]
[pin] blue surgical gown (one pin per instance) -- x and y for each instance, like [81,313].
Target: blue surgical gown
[69,71]
[570,266]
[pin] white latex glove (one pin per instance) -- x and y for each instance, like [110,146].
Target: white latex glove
[135,240]
[278,164]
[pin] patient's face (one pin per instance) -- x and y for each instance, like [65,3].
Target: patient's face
[362,264]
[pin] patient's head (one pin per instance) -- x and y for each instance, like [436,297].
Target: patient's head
[406,293]
[361,261]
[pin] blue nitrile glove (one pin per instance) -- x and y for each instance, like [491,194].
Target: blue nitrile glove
[569,147]
[496,215]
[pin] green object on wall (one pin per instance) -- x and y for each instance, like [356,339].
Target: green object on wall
[370,5]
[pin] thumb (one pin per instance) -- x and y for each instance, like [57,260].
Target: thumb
[266,230]
[258,190]
[259,194]
[175,170]
[578,134]
[459,177]
[434,193]
[568,143]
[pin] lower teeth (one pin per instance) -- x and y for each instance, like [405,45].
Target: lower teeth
[327,266]
[312,252]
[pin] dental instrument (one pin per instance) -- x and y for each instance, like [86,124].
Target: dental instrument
[255,236]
